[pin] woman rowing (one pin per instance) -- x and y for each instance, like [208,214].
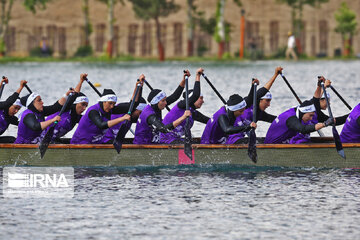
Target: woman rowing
[196,100]
[8,109]
[112,132]
[351,130]
[32,121]
[263,102]
[293,121]
[97,119]
[320,104]
[78,102]
[150,122]
[221,125]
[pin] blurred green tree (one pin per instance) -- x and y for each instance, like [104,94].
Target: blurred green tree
[154,9]
[110,29]
[5,16]
[346,26]
[87,24]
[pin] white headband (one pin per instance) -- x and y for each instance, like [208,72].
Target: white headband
[327,94]
[18,103]
[108,98]
[81,99]
[158,97]
[307,109]
[267,96]
[141,106]
[238,106]
[31,98]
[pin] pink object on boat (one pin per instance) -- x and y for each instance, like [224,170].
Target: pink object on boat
[184,160]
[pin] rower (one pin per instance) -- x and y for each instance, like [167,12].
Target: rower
[149,124]
[112,132]
[263,102]
[351,130]
[8,109]
[221,125]
[294,121]
[97,119]
[196,100]
[32,121]
[72,115]
[320,104]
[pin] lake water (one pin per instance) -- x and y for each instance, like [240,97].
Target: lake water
[193,202]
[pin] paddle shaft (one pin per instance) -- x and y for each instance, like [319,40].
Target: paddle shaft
[133,100]
[252,136]
[254,103]
[49,134]
[291,89]
[341,98]
[214,89]
[187,143]
[338,144]
[122,131]
[27,87]
[327,101]
[2,88]
[187,96]
[93,87]
[65,105]
[151,88]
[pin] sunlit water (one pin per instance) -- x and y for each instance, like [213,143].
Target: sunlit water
[198,202]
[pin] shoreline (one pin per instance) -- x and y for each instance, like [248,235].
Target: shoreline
[127,59]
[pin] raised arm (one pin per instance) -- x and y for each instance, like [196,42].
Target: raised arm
[83,77]
[269,83]
[177,93]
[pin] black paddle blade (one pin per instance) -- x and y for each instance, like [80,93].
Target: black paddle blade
[252,146]
[187,146]
[338,144]
[188,150]
[120,137]
[46,141]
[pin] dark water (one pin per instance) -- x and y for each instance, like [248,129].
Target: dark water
[193,202]
[222,202]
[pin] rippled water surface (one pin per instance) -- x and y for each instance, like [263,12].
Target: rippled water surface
[196,202]
[223,202]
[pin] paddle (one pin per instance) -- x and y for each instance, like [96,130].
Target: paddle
[151,88]
[341,98]
[187,145]
[291,89]
[123,129]
[338,94]
[2,87]
[214,89]
[27,87]
[296,96]
[49,134]
[93,87]
[252,138]
[338,143]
